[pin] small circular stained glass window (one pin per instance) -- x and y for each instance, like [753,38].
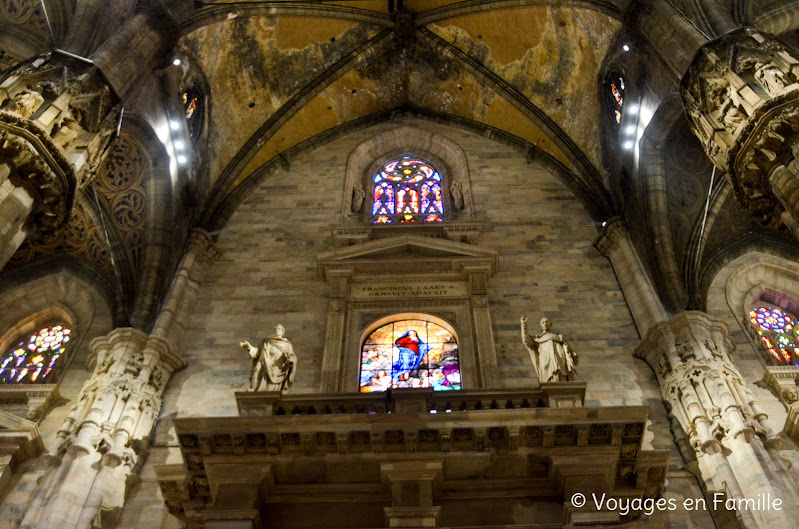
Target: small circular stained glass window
[34,358]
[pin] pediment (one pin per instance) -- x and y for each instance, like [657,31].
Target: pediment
[408,253]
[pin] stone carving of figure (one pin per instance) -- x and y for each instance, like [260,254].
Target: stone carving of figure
[26,103]
[553,359]
[456,190]
[358,196]
[273,363]
[67,132]
[730,112]
[771,78]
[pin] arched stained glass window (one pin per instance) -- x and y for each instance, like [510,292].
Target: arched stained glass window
[410,354]
[777,332]
[407,189]
[617,93]
[31,360]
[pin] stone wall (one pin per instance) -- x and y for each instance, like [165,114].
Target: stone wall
[267,274]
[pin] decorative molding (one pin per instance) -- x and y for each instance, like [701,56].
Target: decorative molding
[359,428]
[120,188]
[465,232]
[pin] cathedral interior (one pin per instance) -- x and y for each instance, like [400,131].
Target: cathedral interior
[309,264]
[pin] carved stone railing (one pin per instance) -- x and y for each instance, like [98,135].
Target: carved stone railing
[553,395]
[404,438]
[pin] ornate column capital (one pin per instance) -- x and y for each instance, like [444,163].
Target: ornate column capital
[741,98]
[614,230]
[33,162]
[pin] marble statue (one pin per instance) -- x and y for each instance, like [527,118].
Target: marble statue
[26,103]
[358,196]
[731,113]
[457,195]
[273,363]
[67,132]
[771,77]
[554,360]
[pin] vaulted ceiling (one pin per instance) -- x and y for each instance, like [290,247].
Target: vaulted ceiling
[281,78]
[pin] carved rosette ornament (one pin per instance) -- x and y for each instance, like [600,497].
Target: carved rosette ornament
[57,115]
[741,98]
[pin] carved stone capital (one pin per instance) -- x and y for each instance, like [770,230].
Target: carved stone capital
[57,115]
[33,162]
[741,98]
[202,246]
[608,240]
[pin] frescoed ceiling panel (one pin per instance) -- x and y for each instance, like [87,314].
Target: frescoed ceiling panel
[552,58]
[417,77]
[254,65]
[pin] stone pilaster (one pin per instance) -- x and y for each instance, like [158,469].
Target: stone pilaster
[741,97]
[334,336]
[174,317]
[642,299]
[411,492]
[690,354]
[481,316]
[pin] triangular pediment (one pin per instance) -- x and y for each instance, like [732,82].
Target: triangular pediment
[394,254]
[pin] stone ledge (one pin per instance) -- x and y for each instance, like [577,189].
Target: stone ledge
[551,395]
[467,232]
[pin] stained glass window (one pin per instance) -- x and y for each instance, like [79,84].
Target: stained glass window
[407,189]
[617,93]
[193,106]
[34,358]
[777,332]
[410,354]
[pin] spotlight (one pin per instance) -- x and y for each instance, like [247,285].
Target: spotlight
[182,160]
[179,145]
[176,62]
[604,223]
[630,129]
[628,145]
[626,47]
[174,125]
[633,109]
